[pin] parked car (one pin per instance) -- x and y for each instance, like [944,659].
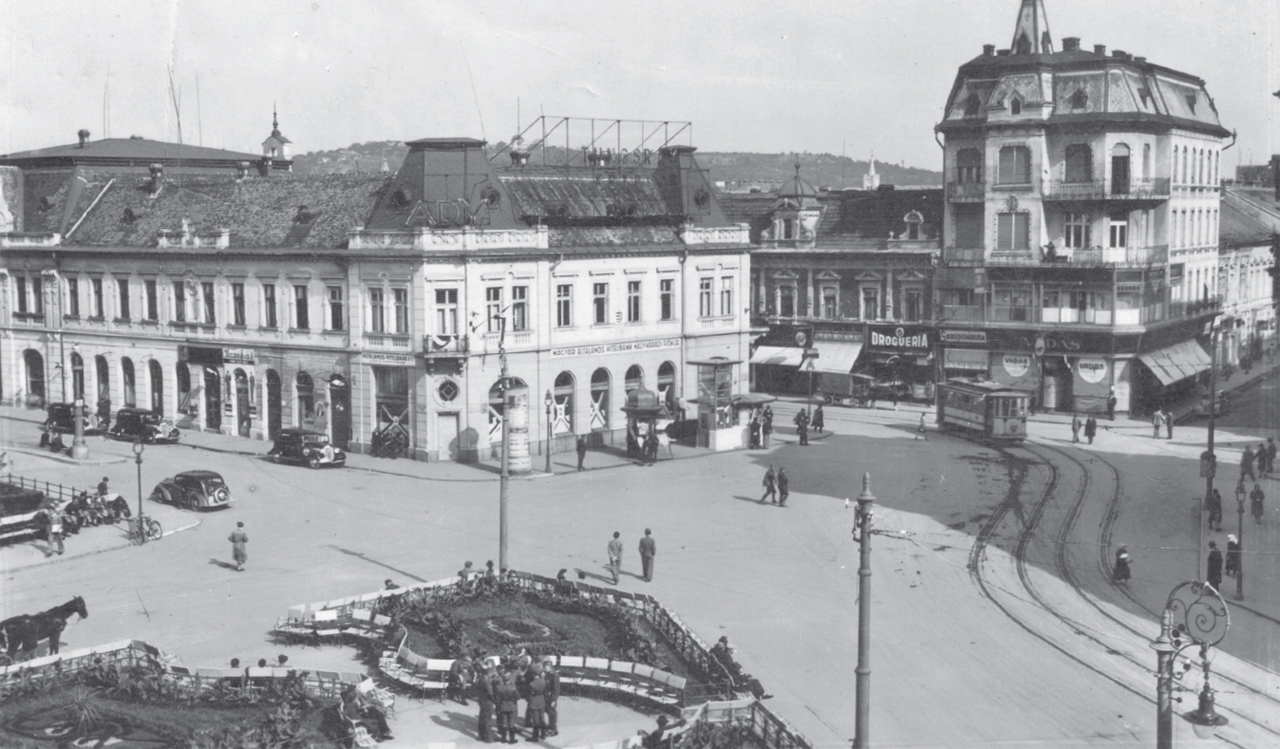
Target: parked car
[305,447]
[1221,406]
[136,424]
[62,421]
[195,490]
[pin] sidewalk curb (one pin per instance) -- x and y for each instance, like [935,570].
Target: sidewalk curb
[96,552]
[61,457]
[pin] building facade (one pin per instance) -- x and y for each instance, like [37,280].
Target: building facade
[1246,264]
[1082,220]
[378,308]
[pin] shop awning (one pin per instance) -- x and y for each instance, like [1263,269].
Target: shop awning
[836,356]
[1177,362]
[785,356]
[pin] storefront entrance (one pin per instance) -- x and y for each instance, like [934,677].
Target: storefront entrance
[212,400]
[391,405]
[340,410]
[243,410]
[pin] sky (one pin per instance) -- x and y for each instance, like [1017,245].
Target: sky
[835,76]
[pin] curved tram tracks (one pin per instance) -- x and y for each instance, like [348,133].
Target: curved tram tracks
[1100,636]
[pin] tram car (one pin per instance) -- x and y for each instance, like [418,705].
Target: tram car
[983,409]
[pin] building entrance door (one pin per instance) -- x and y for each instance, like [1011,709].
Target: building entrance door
[340,411]
[447,434]
[243,420]
[212,399]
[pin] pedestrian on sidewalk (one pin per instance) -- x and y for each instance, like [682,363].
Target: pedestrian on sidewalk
[784,487]
[819,421]
[1260,459]
[615,556]
[1168,424]
[1271,455]
[552,677]
[755,432]
[1213,503]
[1256,498]
[1075,427]
[648,549]
[1246,464]
[1111,404]
[1120,573]
[768,483]
[895,399]
[801,421]
[1090,428]
[920,430]
[55,530]
[1215,566]
[1233,556]
[582,450]
[1157,421]
[766,426]
[238,539]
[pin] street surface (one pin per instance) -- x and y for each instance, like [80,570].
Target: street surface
[994,621]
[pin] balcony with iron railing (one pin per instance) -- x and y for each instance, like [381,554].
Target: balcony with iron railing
[1091,257]
[388,341]
[445,346]
[966,192]
[1151,189]
[1057,315]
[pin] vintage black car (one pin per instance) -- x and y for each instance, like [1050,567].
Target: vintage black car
[61,419]
[136,424]
[305,447]
[195,490]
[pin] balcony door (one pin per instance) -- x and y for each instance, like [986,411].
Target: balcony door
[1120,170]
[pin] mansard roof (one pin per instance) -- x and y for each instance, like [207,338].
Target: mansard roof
[1236,228]
[128,152]
[850,219]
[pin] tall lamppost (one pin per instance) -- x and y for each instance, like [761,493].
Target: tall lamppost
[862,532]
[137,458]
[1195,616]
[548,401]
[79,450]
[1209,461]
[1240,539]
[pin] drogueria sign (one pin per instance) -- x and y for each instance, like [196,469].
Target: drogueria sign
[898,338]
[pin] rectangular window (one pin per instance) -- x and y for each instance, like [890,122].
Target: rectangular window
[830,308]
[493,308]
[20,284]
[1119,233]
[1012,231]
[1077,230]
[969,226]
[600,302]
[401,299]
[519,307]
[633,301]
[210,303]
[98,302]
[667,298]
[704,296]
[336,307]
[786,301]
[446,311]
[564,305]
[870,304]
[179,301]
[73,297]
[912,311]
[301,315]
[37,294]
[377,317]
[1015,165]
[269,316]
[726,296]
[237,304]
[122,288]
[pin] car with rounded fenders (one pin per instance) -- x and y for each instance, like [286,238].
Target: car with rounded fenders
[194,490]
[61,420]
[305,447]
[141,425]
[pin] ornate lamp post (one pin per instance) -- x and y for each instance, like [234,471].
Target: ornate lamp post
[862,532]
[1195,616]
[137,457]
[79,450]
[548,401]
[1240,539]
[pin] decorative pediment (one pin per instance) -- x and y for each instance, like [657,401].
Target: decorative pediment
[784,275]
[911,275]
[870,276]
[828,275]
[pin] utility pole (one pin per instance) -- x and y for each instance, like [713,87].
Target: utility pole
[505,479]
[866,499]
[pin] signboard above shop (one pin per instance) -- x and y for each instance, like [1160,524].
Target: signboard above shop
[899,338]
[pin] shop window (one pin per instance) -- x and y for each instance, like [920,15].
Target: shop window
[306,397]
[634,379]
[562,405]
[600,399]
[127,379]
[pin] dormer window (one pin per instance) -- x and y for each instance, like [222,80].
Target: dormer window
[1191,103]
[1015,105]
[787,229]
[971,106]
[1079,100]
[913,221]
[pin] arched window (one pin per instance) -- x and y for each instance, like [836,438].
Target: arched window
[1079,163]
[1015,165]
[35,377]
[77,376]
[104,378]
[498,406]
[1015,105]
[600,399]
[635,379]
[666,386]
[306,397]
[184,390]
[129,382]
[1120,169]
[157,386]
[562,409]
[969,166]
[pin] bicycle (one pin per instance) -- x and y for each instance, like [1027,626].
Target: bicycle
[144,528]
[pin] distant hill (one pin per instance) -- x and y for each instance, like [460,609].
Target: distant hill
[735,170]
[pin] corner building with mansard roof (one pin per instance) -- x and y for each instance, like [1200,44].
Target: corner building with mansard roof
[233,296]
[1081,222]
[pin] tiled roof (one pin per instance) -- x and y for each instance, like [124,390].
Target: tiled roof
[139,149]
[266,213]
[1237,228]
[555,194]
[850,219]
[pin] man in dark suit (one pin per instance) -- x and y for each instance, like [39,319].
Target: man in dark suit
[648,548]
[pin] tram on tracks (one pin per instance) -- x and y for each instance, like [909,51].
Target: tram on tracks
[983,409]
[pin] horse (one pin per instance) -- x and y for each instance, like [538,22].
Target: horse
[26,631]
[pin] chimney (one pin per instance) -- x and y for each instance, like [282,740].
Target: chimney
[1139,59]
[157,177]
[1119,54]
[1071,44]
[84,137]
[988,50]
[1100,49]
[1003,53]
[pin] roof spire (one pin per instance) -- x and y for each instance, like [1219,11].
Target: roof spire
[1031,35]
[275,120]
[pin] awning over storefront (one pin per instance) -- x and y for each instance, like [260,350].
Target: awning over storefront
[785,356]
[836,356]
[1177,362]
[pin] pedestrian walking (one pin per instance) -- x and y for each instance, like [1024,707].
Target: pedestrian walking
[929,393]
[766,427]
[582,450]
[1233,556]
[1260,459]
[1075,427]
[1120,573]
[615,556]
[238,539]
[894,391]
[769,490]
[1090,428]
[1256,498]
[1157,421]
[920,430]
[819,421]
[1271,455]
[1246,464]
[1215,566]
[1111,404]
[648,549]
[1213,503]
[651,447]
[55,530]
[784,486]
[1168,424]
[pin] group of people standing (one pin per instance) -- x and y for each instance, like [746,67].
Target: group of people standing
[498,684]
[804,422]
[1162,418]
[1263,460]
[760,428]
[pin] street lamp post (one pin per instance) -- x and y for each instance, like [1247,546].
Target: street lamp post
[79,450]
[1240,539]
[504,479]
[548,401]
[1209,459]
[137,457]
[1201,622]
[862,532]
